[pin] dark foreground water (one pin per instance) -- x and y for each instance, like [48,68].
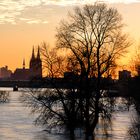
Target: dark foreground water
[16,123]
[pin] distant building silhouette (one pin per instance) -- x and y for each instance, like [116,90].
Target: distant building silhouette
[34,71]
[5,73]
[124,75]
[36,65]
[70,75]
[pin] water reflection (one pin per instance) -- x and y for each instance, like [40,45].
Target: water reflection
[16,123]
[134,131]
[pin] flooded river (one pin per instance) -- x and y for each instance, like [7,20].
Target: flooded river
[16,123]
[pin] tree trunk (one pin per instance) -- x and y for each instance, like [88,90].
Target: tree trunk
[97,97]
[87,115]
[96,117]
[72,135]
[90,136]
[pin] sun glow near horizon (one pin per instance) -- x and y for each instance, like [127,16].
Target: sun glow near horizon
[26,23]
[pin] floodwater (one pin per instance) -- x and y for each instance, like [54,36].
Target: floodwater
[17,123]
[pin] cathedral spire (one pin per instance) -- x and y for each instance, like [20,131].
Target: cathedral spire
[23,63]
[36,64]
[38,53]
[33,54]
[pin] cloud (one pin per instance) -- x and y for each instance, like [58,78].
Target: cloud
[36,22]
[70,2]
[12,10]
[34,11]
[123,1]
[33,21]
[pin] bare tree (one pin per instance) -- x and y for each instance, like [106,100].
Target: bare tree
[93,35]
[94,40]
[56,107]
[134,93]
[53,65]
[135,61]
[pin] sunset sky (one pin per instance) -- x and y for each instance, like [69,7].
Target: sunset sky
[24,23]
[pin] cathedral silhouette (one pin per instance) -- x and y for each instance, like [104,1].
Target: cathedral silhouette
[34,71]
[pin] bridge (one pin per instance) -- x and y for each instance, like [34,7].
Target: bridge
[10,83]
[54,83]
[41,83]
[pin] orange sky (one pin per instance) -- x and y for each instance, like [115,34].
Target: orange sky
[24,23]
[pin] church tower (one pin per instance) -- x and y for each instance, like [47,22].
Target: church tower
[39,64]
[36,64]
[32,61]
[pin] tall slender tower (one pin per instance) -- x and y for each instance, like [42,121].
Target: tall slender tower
[39,64]
[32,61]
[36,64]
[38,53]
